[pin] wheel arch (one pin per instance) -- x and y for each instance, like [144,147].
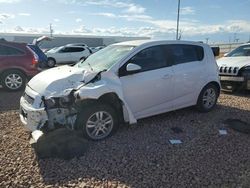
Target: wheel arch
[52,58]
[111,99]
[216,84]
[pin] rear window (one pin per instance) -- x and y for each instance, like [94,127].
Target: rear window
[10,51]
[182,53]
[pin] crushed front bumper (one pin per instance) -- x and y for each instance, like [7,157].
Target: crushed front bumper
[32,118]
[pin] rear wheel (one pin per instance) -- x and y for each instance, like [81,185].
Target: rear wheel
[97,121]
[207,98]
[13,80]
[51,62]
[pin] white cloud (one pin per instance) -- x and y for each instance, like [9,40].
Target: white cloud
[9,1]
[126,6]
[56,20]
[135,9]
[78,20]
[24,14]
[19,29]
[187,10]
[6,16]
[105,14]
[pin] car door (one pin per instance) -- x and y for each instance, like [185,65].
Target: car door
[148,91]
[189,69]
[64,55]
[77,53]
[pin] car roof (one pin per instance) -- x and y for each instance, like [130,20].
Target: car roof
[155,42]
[3,41]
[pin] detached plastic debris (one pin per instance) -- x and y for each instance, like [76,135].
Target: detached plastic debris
[175,141]
[223,132]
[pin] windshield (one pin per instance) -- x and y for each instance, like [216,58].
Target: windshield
[240,51]
[105,58]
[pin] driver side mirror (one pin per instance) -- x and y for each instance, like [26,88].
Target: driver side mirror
[132,68]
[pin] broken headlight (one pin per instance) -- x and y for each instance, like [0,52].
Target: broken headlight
[66,101]
[49,103]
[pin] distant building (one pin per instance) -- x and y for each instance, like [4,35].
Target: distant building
[60,40]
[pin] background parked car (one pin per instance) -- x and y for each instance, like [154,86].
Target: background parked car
[17,63]
[96,49]
[235,68]
[67,54]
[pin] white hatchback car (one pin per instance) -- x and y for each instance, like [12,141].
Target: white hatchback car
[67,55]
[122,83]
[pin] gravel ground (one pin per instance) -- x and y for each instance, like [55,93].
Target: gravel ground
[137,156]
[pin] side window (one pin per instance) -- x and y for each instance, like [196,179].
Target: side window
[6,50]
[150,58]
[182,53]
[64,50]
[72,49]
[76,49]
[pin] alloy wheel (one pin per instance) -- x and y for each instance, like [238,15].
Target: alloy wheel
[13,81]
[99,125]
[209,98]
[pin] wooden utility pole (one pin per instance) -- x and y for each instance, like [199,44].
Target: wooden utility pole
[51,30]
[178,19]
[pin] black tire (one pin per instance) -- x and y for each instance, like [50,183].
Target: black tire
[51,62]
[13,80]
[89,114]
[206,105]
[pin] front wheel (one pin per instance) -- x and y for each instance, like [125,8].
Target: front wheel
[97,121]
[207,98]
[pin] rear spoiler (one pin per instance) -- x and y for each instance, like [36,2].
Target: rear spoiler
[216,50]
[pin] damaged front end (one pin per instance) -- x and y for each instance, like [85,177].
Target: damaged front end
[55,109]
[61,111]
[46,113]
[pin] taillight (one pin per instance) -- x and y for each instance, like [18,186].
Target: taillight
[34,60]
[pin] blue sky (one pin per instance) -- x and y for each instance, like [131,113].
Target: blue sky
[219,21]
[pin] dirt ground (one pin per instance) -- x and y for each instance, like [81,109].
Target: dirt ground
[138,155]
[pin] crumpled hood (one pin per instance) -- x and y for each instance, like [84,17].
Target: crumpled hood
[233,61]
[57,81]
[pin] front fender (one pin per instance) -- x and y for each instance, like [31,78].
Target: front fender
[97,89]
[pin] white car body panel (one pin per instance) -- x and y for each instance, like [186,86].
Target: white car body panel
[143,94]
[141,89]
[234,61]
